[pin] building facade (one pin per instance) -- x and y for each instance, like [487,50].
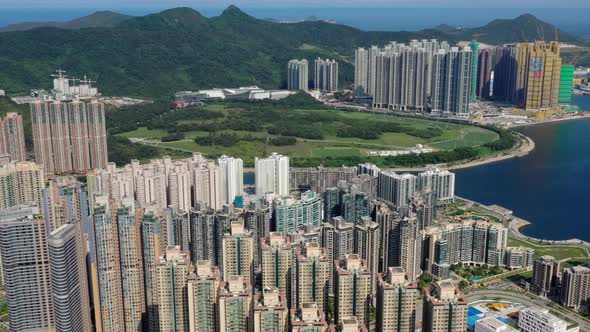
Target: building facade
[396,302]
[21,183]
[272,175]
[575,286]
[444,310]
[325,75]
[290,214]
[69,285]
[26,269]
[172,274]
[12,138]
[546,271]
[352,289]
[298,75]
[69,137]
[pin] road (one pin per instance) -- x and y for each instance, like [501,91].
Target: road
[529,300]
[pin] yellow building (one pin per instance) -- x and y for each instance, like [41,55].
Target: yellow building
[539,71]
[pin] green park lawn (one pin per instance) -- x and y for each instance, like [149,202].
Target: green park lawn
[331,145]
[558,251]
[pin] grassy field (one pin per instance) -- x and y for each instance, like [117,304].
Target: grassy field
[558,251]
[331,145]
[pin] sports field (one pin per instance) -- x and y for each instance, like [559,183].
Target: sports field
[316,133]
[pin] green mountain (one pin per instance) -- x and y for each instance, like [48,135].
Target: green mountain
[521,29]
[95,20]
[179,49]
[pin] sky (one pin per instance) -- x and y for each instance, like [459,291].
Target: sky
[114,4]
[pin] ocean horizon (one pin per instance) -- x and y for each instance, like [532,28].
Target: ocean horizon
[365,18]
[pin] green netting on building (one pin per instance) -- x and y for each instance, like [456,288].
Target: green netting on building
[566,83]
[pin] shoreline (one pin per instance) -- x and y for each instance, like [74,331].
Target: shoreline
[527,145]
[516,224]
[580,116]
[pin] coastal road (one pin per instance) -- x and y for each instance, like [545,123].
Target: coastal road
[529,300]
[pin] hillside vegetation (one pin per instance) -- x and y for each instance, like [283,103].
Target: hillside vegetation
[98,19]
[179,49]
[524,28]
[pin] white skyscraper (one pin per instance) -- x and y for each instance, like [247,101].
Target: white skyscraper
[232,177]
[451,77]
[298,75]
[179,187]
[207,185]
[325,75]
[396,188]
[440,182]
[361,62]
[272,175]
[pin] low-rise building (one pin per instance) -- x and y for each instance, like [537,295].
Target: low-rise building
[492,324]
[540,320]
[187,98]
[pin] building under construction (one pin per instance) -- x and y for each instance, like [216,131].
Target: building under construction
[540,75]
[528,74]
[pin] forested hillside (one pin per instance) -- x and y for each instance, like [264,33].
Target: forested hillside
[179,49]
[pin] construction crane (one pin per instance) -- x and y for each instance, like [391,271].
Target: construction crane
[85,80]
[60,73]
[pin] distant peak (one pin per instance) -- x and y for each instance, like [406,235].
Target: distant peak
[104,12]
[181,10]
[526,16]
[233,11]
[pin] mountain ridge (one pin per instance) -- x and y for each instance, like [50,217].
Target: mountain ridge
[180,49]
[523,28]
[97,19]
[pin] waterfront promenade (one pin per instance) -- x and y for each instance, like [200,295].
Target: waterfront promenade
[515,224]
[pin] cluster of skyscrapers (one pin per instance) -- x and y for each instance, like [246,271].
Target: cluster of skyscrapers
[69,136]
[419,76]
[573,282]
[325,75]
[428,75]
[176,245]
[525,74]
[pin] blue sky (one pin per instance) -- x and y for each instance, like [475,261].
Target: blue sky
[295,3]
